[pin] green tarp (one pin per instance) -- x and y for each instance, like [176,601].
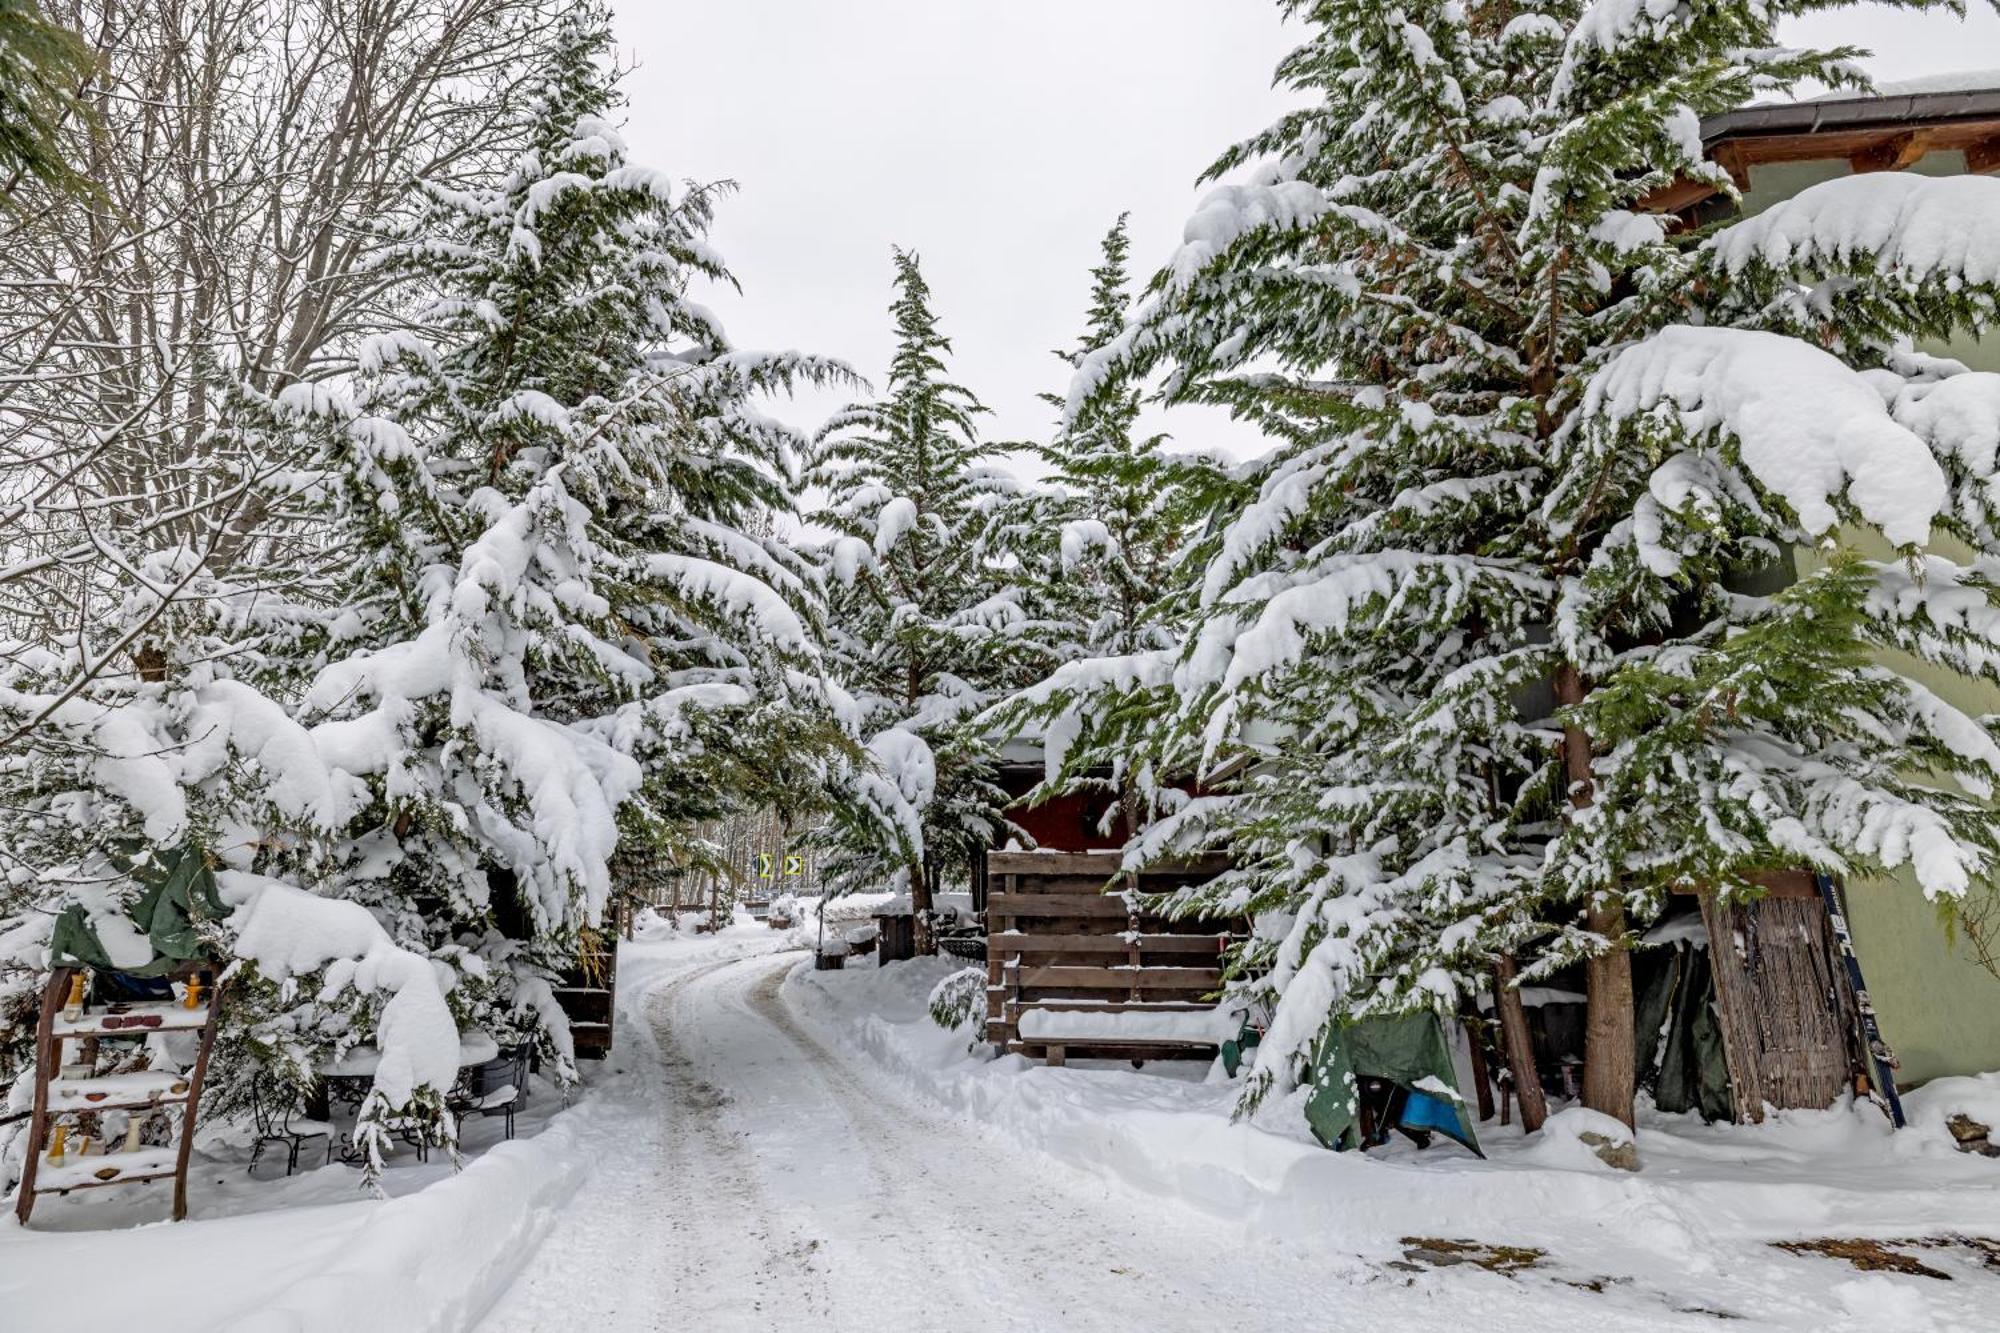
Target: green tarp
[179,892]
[1678,1040]
[1409,1051]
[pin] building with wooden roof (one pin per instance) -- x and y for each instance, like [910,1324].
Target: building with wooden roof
[1932,986]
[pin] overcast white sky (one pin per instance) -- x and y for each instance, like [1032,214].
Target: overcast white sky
[999,140]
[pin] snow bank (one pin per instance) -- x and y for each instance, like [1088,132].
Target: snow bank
[1704,1201]
[433,1260]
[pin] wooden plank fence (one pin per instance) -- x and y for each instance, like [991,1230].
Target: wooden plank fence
[1057,942]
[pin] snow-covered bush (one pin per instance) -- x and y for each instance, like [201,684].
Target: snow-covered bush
[958,1003]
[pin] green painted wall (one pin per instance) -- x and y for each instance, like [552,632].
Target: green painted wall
[1940,1010]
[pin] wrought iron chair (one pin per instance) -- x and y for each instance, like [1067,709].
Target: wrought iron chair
[498,1087]
[272,1104]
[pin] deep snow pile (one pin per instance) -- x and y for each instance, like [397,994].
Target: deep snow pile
[310,1253]
[1695,1219]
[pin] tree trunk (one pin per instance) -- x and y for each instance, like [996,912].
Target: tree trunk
[922,904]
[1609,1076]
[1475,1053]
[1520,1046]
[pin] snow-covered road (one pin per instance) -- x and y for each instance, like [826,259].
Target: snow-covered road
[753,1176]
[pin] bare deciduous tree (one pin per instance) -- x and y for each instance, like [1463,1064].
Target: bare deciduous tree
[249,157]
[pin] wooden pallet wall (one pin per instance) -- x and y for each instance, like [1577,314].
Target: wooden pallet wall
[1057,941]
[1787,1011]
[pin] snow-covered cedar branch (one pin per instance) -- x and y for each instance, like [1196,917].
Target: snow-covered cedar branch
[1494,652]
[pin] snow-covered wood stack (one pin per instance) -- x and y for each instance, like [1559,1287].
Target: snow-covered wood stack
[1073,969]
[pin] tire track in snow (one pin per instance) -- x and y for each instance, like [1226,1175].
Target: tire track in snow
[670,1230]
[750,1176]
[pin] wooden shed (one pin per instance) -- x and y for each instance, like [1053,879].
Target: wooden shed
[1074,969]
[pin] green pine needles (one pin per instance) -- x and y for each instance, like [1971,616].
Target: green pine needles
[1501,651]
[920,622]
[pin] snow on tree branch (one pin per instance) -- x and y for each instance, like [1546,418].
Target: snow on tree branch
[1805,425]
[1913,225]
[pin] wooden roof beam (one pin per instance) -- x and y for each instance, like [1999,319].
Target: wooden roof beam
[1983,156]
[1893,153]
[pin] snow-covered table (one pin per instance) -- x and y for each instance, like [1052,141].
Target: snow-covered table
[474,1048]
[347,1082]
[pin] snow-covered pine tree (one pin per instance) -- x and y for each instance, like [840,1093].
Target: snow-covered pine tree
[567,615]
[1105,546]
[1486,634]
[921,629]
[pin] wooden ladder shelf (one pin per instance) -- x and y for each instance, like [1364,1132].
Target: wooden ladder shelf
[60,1101]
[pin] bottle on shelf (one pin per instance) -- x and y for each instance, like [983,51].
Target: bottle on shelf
[58,1145]
[73,1006]
[134,1125]
[192,1000]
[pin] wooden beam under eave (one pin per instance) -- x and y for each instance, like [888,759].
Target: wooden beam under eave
[1983,156]
[1893,153]
[1678,197]
[1730,157]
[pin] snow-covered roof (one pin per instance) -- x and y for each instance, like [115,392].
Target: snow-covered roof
[1970,99]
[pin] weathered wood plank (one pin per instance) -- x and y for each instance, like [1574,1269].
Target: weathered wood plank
[1137,1052]
[1094,885]
[1101,864]
[1026,943]
[1015,1008]
[1122,978]
[1057,905]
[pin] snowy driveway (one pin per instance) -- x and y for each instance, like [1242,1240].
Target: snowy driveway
[755,1177]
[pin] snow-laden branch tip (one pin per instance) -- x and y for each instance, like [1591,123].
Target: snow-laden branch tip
[736,592]
[287,932]
[1959,416]
[1807,427]
[893,523]
[1923,226]
[1225,216]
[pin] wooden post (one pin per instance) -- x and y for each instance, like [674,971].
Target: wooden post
[193,1102]
[49,1052]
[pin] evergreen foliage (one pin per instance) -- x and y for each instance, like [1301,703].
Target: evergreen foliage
[1104,549]
[571,612]
[42,67]
[558,622]
[1497,640]
[922,627]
